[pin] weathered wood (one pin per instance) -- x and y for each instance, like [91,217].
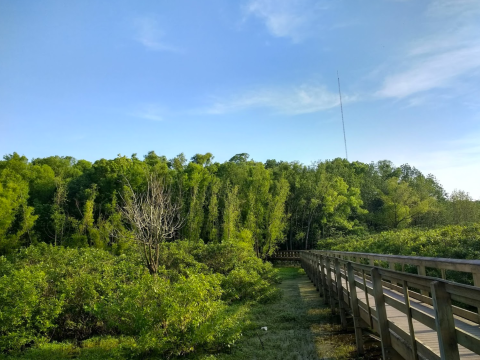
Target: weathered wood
[421,271]
[471,266]
[444,322]
[330,285]
[382,321]
[365,288]
[317,273]
[341,308]
[324,279]
[413,341]
[399,334]
[355,309]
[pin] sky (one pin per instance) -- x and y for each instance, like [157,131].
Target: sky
[93,79]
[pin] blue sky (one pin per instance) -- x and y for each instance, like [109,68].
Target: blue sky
[93,79]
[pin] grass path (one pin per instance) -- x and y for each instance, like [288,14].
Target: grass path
[299,327]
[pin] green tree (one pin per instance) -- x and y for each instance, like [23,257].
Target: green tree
[16,217]
[401,203]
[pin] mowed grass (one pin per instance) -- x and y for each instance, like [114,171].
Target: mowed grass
[299,326]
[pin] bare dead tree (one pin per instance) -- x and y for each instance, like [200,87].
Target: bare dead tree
[154,217]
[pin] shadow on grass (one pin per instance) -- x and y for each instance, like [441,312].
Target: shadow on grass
[299,326]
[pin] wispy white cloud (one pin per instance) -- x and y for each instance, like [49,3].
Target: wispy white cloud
[293,19]
[150,35]
[295,100]
[149,112]
[436,71]
[453,8]
[439,60]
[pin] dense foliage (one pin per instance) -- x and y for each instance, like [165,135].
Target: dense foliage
[453,241]
[63,201]
[86,254]
[55,293]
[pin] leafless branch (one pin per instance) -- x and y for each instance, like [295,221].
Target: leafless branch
[154,217]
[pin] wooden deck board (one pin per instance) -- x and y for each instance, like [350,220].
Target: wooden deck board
[423,333]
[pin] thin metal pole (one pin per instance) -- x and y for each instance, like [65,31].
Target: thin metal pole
[343,122]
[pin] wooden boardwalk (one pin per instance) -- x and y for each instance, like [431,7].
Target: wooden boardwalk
[425,335]
[406,310]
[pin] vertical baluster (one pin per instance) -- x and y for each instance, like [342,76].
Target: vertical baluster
[442,305]
[367,300]
[410,320]
[330,285]
[341,307]
[382,320]
[324,280]
[421,271]
[347,285]
[355,309]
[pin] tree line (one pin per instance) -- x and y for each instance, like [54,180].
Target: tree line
[276,204]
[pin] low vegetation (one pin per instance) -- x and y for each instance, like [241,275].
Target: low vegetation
[453,241]
[88,296]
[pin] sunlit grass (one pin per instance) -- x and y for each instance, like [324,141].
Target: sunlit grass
[299,326]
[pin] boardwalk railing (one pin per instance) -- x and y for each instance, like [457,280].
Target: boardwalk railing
[286,255]
[416,316]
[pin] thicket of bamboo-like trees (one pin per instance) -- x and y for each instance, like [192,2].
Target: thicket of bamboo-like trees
[76,203]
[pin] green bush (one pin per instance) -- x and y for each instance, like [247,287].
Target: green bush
[453,241]
[56,293]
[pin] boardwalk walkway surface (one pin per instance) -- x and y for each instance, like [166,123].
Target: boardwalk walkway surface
[416,316]
[425,335]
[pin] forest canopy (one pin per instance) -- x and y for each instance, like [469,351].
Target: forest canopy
[75,203]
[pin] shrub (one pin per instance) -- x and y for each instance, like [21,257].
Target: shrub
[55,293]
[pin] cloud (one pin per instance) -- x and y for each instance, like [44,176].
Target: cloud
[149,112]
[450,8]
[436,71]
[440,59]
[149,34]
[294,19]
[296,100]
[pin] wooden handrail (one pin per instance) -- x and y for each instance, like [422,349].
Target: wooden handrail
[382,298]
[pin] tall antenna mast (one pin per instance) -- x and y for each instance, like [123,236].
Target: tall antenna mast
[343,122]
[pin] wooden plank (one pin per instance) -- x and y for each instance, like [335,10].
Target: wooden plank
[324,280]
[341,309]
[422,321]
[383,330]
[472,266]
[330,285]
[316,272]
[413,341]
[365,289]
[421,271]
[355,310]
[444,322]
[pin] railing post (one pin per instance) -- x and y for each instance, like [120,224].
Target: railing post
[324,280]
[355,309]
[442,305]
[413,340]
[330,285]
[341,307]
[421,271]
[382,321]
[367,300]
[317,273]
